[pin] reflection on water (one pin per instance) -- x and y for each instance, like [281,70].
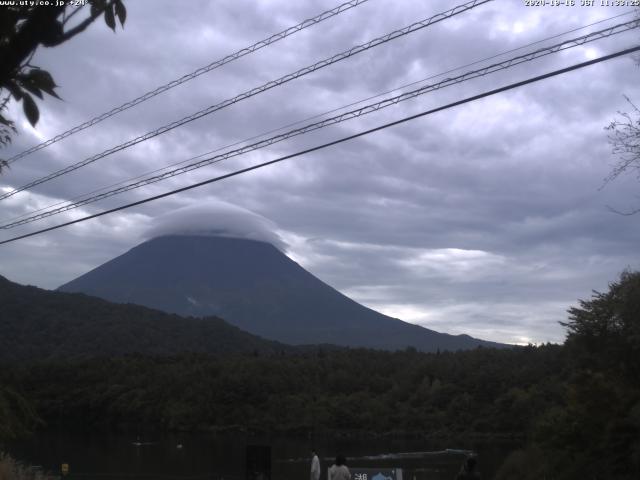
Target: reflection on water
[222,456]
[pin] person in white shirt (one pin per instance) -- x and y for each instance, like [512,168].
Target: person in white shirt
[315,466]
[339,470]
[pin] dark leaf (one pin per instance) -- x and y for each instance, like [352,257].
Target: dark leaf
[44,81]
[30,109]
[110,19]
[95,9]
[14,89]
[121,11]
[29,86]
[42,78]
[52,93]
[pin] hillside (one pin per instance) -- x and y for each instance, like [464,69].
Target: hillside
[40,324]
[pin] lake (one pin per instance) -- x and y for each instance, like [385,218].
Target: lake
[222,456]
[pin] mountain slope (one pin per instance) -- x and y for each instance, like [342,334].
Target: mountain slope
[40,324]
[254,286]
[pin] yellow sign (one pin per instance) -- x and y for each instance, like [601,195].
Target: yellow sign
[64,468]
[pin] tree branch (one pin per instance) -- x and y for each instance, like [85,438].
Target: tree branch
[26,40]
[68,17]
[82,26]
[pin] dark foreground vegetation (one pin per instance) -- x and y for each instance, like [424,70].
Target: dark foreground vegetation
[575,407]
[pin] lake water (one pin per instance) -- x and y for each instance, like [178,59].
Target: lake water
[222,456]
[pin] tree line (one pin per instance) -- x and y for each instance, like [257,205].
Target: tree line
[575,408]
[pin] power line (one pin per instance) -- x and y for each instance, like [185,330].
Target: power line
[522,47]
[334,142]
[364,110]
[250,93]
[313,117]
[190,76]
[339,118]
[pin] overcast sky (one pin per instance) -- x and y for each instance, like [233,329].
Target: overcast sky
[487,219]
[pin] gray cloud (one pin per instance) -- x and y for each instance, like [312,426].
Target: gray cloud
[219,219]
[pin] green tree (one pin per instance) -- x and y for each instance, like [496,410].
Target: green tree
[594,432]
[24,28]
[606,329]
[17,416]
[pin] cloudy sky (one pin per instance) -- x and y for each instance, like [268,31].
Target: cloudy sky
[488,218]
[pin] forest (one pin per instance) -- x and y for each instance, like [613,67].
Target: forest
[575,408]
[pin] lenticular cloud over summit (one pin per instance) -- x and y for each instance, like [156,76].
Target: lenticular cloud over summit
[217,219]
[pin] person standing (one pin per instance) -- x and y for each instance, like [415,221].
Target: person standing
[315,466]
[339,470]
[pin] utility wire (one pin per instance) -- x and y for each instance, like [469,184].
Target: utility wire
[313,117]
[190,76]
[334,142]
[250,93]
[364,110]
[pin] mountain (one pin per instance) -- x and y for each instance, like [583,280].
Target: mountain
[40,324]
[256,287]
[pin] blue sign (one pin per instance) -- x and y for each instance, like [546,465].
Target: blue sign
[376,474]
